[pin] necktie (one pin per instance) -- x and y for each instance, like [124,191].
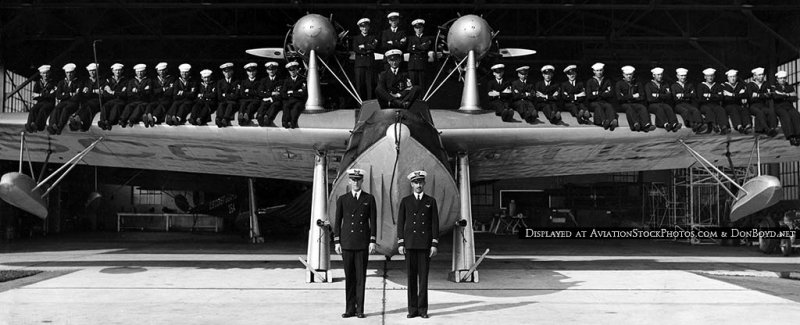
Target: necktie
[355,196]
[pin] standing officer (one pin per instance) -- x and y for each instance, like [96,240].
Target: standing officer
[418,236]
[270,93]
[521,97]
[44,92]
[573,95]
[765,119]
[364,45]
[206,100]
[395,89]
[227,88]
[354,231]
[418,47]
[598,95]
[709,95]
[628,93]
[784,96]
[115,91]
[500,94]
[69,96]
[183,96]
[248,94]
[683,98]
[162,96]
[293,92]
[547,93]
[658,95]
[393,38]
[733,99]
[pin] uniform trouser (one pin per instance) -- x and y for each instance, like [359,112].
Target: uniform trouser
[790,119]
[417,265]
[61,113]
[201,112]
[575,109]
[355,275]
[180,108]
[550,111]
[502,109]
[603,111]
[87,112]
[765,117]
[158,109]
[133,112]
[663,112]
[636,113]
[525,108]
[39,113]
[247,107]
[714,114]
[417,77]
[267,111]
[365,82]
[292,107]
[738,115]
[691,115]
[226,110]
[111,111]
[410,95]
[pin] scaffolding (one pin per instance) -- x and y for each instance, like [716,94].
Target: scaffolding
[664,208]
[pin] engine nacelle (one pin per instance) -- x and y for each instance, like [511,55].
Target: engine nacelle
[469,33]
[314,32]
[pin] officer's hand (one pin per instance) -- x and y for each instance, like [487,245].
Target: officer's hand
[338,249]
[433,251]
[401,250]
[372,248]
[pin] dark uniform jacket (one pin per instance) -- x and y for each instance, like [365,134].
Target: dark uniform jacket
[46,90]
[119,87]
[762,92]
[365,56]
[355,224]
[139,89]
[395,37]
[499,87]
[268,86]
[657,93]
[297,87]
[163,88]
[569,91]
[69,90]
[519,89]
[390,83]
[207,93]
[227,90]
[418,223]
[783,98]
[90,86]
[624,92]
[738,92]
[418,48]
[248,89]
[599,90]
[550,91]
[709,93]
[184,89]
[688,91]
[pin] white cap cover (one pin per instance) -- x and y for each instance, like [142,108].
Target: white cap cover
[69,67]
[709,71]
[185,67]
[628,69]
[598,66]
[205,73]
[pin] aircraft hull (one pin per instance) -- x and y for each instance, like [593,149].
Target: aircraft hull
[762,192]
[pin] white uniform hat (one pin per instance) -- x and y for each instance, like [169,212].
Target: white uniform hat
[757,71]
[250,65]
[356,173]
[292,64]
[184,67]
[117,66]
[271,64]
[418,21]
[498,66]
[139,67]
[709,71]
[548,68]
[598,66]
[226,65]
[393,14]
[363,21]
[415,175]
[161,66]
[393,52]
[69,67]
[570,67]
[781,74]
[44,68]
[523,68]
[91,67]
[205,73]
[628,69]
[681,71]
[657,70]
[731,73]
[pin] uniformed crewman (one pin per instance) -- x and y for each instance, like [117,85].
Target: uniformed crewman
[547,93]
[499,92]
[116,93]
[365,45]
[270,93]
[69,96]
[629,95]
[44,93]
[139,90]
[90,102]
[758,97]
[709,95]
[206,99]
[683,95]
[394,37]
[418,237]
[521,96]
[354,231]
[249,99]
[293,93]
[161,101]
[395,89]
[184,93]
[784,96]
[573,94]
[418,47]
[734,98]
[599,94]
[227,88]
[658,95]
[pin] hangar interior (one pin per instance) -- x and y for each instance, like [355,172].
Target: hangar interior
[695,35]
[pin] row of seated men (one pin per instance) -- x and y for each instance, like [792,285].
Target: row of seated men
[746,107]
[165,99]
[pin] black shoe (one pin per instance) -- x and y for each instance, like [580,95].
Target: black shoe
[51,130]
[725,130]
[614,124]
[424,316]
[636,127]
[676,126]
[667,127]
[606,124]
[74,123]
[411,315]
[716,129]
[702,129]
[360,315]
[294,125]
[347,315]
[772,132]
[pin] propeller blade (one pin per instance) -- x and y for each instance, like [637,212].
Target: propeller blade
[514,52]
[267,52]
